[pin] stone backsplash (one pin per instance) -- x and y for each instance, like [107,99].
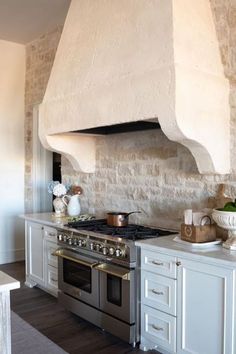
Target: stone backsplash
[141,170]
[145,171]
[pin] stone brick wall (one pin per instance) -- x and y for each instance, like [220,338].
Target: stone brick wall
[142,170]
[39,59]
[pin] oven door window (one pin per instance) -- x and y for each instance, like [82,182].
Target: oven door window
[114,290]
[77,275]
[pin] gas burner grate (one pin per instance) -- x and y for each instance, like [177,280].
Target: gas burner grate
[130,232]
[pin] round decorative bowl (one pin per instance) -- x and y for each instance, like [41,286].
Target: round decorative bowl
[226,220]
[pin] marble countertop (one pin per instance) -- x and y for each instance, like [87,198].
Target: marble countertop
[46,219]
[215,254]
[8,283]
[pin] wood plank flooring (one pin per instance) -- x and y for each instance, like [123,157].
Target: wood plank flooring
[70,332]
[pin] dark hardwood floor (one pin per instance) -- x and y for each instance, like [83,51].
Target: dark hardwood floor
[70,332]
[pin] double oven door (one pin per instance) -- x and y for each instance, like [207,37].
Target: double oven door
[109,288]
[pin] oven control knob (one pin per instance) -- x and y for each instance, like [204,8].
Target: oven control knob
[69,241]
[60,237]
[97,247]
[118,252]
[105,250]
[83,243]
[75,241]
[111,251]
[64,238]
[91,246]
[79,243]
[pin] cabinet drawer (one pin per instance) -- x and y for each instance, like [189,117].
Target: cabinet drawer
[52,279]
[159,292]
[50,248]
[158,263]
[159,328]
[50,234]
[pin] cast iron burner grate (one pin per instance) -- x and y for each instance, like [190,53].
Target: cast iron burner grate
[130,232]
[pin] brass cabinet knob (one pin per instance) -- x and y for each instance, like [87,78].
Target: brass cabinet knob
[178,263]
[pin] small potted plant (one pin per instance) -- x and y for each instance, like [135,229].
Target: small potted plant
[226,218]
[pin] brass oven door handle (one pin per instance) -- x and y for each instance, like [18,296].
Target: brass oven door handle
[59,253]
[113,270]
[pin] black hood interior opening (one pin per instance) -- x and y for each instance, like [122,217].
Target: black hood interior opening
[121,128]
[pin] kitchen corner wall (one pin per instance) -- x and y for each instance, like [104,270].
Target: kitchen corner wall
[142,170]
[12,80]
[39,59]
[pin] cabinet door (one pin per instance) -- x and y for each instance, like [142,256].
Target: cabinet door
[205,309]
[35,253]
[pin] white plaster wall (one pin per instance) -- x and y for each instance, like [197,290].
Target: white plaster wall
[12,80]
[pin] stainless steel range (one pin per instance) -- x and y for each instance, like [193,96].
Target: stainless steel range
[98,275]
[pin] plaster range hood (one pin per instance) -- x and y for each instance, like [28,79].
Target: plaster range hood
[126,61]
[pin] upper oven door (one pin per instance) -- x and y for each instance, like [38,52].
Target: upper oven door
[77,276]
[117,291]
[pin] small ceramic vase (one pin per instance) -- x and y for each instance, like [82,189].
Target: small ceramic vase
[59,207]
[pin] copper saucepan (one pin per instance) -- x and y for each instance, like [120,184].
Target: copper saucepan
[119,219]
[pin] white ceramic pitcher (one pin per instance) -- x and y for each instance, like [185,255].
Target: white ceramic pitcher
[73,207]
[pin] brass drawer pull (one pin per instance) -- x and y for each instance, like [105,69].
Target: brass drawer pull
[157,292]
[158,263]
[157,328]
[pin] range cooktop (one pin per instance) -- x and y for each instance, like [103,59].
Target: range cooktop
[131,232]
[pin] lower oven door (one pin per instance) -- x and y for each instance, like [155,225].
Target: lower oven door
[117,292]
[77,276]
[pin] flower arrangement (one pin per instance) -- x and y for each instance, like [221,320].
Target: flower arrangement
[56,188]
[59,189]
[66,197]
[75,189]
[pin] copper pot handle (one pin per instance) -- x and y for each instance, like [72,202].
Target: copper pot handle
[132,212]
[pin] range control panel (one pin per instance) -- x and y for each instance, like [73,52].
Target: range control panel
[94,244]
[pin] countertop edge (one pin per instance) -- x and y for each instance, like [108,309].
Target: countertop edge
[215,255]
[7,282]
[44,218]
